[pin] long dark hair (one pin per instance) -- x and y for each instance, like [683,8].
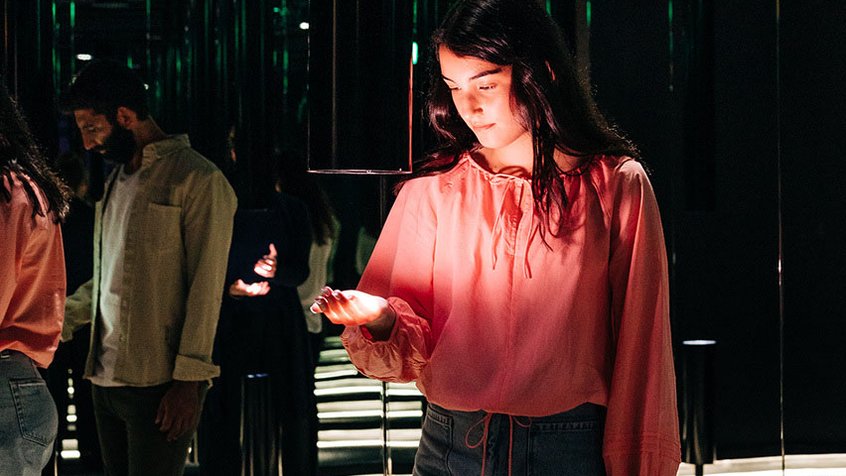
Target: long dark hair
[20,156]
[552,98]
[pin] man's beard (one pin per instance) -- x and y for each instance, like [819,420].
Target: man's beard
[119,147]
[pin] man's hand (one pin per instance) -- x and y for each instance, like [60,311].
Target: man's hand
[179,410]
[356,308]
[241,289]
[266,266]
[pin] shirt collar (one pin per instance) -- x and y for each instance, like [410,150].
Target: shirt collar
[156,150]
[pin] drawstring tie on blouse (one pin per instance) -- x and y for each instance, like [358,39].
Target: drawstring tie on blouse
[496,232]
[483,441]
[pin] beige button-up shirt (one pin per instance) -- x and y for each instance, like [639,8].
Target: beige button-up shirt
[176,247]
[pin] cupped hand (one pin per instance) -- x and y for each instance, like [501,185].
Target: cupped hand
[241,289]
[352,308]
[266,266]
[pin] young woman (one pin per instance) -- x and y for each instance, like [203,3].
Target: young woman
[521,280]
[32,294]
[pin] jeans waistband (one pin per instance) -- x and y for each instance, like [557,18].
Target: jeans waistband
[16,364]
[12,353]
[476,426]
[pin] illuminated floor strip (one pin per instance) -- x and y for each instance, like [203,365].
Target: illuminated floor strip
[796,465]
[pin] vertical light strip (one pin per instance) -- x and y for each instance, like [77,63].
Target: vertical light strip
[57,66]
[286,66]
[72,34]
[148,27]
[672,46]
[780,237]
[414,45]
[588,13]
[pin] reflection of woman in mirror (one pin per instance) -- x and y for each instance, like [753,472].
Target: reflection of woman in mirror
[521,277]
[292,178]
[262,330]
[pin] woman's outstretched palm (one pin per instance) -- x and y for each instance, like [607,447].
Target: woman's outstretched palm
[350,307]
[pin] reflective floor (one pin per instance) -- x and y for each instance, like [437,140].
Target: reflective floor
[350,409]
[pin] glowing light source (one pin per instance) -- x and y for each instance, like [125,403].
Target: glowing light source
[588,13]
[415,50]
[84,57]
[699,342]
[304,25]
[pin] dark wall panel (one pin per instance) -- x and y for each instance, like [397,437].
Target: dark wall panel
[658,71]
[813,68]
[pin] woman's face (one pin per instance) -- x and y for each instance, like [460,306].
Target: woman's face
[481,92]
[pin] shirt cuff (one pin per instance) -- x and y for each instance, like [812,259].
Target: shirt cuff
[189,369]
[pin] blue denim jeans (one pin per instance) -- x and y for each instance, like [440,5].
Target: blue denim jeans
[459,443]
[28,418]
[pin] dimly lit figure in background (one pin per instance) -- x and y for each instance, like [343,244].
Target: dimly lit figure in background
[521,278]
[294,180]
[161,238]
[78,233]
[262,330]
[32,294]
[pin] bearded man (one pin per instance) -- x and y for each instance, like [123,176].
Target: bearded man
[161,239]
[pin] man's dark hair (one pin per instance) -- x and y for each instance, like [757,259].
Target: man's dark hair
[20,157]
[104,86]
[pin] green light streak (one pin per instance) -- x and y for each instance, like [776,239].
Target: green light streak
[549,6]
[414,16]
[72,28]
[285,65]
[588,13]
[670,20]
[57,66]
[415,51]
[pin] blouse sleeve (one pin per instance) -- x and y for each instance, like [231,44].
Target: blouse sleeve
[400,269]
[641,430]
[16,235]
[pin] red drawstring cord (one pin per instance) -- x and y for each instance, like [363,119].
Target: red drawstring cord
[486,420]
[511,420]
[483,441]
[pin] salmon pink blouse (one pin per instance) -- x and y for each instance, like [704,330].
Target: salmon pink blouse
[32,276]
[493,315]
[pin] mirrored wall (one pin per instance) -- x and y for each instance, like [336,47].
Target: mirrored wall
[737,108]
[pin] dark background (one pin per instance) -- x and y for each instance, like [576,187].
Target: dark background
[738,108]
